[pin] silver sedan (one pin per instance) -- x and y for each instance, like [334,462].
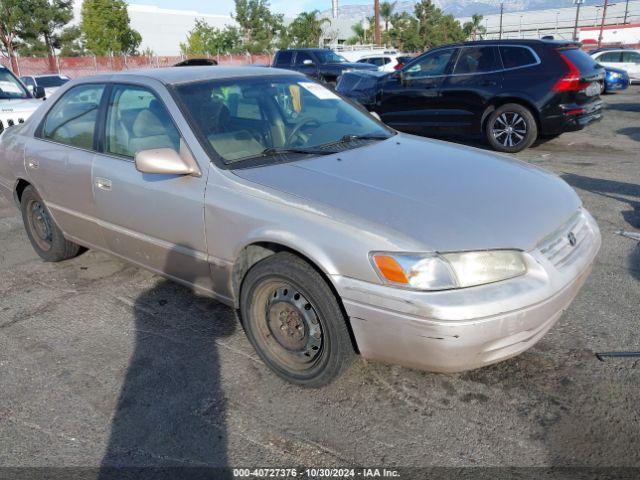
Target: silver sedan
[330,233]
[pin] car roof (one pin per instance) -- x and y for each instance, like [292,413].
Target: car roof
[176,75]
[525,42]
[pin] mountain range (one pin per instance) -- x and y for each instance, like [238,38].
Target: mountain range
[460,8]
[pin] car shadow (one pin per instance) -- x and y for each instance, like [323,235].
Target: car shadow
[169,421]
[632,132]
[624,107]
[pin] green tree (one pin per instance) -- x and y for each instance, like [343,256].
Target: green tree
[386,12]
[204,39]
[70,42]
[359,34]
[434,27]
[306,30]
[15,17]
[259,27]
[474,28]
[106,29]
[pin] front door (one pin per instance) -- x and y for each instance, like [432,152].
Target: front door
[59,159]
[154,220]
[306,63]
[410,100]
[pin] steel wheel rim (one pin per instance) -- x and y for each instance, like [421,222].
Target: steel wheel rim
[509,129]
[40,225]
[287,326]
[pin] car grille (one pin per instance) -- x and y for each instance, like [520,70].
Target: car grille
[9,123]
[561,245]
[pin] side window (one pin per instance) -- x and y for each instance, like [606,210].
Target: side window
[631,57]
[386,60]
[514,57]
[72,120]
[284,57]
[301,57]
[477,60]
[28,81]
[430,65]
[610,57]
[137,120]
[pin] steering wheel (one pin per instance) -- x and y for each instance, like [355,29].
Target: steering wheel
[298,127]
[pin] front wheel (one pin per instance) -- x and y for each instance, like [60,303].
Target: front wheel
[294,321]
[511,128]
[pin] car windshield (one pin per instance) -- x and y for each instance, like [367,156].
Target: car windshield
[260,118]
[10,87]
[52,81]
[329,56]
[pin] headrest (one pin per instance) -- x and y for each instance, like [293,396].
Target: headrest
[147,124]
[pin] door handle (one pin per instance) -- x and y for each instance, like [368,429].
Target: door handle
[33,164]
[103,184]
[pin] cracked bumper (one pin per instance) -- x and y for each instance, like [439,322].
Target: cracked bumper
[459,330]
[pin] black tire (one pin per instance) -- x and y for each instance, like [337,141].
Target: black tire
[511,128]
[45,236]
[294,321]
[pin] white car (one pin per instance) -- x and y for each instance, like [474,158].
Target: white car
[386,62]
[625,59]
[16,102]
[50,83]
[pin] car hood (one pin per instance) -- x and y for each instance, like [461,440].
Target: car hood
[19,106]
[615,70]
[444,196]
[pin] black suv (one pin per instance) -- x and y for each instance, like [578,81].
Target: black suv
[509,91]
[320,63]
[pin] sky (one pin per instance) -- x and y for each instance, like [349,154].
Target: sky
[224,7]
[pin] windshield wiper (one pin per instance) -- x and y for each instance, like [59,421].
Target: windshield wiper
[272,151]
[352,138]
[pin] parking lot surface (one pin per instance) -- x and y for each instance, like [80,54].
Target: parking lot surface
[102,363]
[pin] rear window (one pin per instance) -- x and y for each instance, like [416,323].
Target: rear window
[514,57]
[284,58]
[477,60]
[580,59]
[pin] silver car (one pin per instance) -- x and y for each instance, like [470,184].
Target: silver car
[329,232]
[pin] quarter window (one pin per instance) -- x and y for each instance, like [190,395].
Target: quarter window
[514,57]
[72,120]
[284,57]
[431,65]
[477,60]
[137,121]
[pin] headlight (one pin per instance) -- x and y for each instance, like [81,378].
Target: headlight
[448,270]
[614,75]
[347,70]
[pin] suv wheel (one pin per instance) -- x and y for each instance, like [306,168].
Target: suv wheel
[294,321]
[511,128]
[45,236]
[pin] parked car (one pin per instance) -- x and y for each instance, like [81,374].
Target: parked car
[624,59]
[510,91]
[16,102]
[50,83]
[330,232]
[403,60]
[385,63]
[615,79]
[319,63]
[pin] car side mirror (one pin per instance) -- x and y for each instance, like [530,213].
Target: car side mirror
[307,62]
[167,161]
[38,92]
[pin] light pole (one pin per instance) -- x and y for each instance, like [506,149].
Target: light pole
[626,12]
[577,3]
[604,16]
[501,12]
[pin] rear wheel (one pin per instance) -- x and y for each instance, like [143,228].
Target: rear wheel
[45,236]
[511,128]
[294,321]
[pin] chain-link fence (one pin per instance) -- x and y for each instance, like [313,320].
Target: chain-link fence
[75,67]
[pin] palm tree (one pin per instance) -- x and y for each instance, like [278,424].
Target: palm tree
[306,29]
[386,12]
[476,27]
[359,34]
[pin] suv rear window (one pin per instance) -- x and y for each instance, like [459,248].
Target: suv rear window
[514,57]
[580,59]
[284,57]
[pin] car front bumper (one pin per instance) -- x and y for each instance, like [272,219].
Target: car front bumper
[457,330]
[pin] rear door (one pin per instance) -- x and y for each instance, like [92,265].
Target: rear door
[59,159]
[411,100]
[476,78]
[610,59]
[631,63]
[153,220]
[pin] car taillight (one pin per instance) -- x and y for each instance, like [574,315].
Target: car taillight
[572,81]
[398,66]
